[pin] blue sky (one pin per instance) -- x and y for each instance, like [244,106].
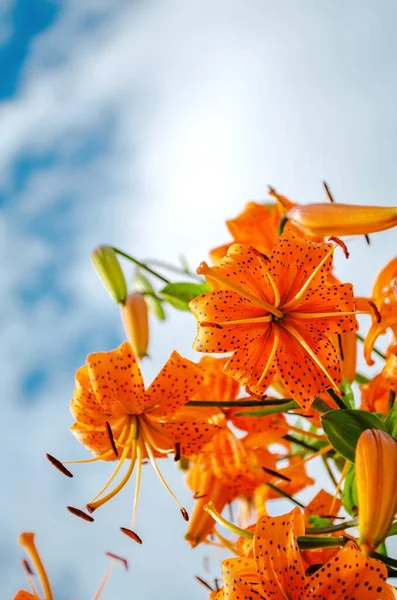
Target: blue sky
[146,125]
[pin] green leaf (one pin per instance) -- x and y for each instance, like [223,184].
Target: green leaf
[391,421]
[317,521]
[393,530]
[154,303]
[349,493]
[344,427]
[361,379]
[348,395]
[180,294]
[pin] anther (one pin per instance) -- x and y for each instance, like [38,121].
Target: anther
[111,438]
[197,496]
[208,324]
[276,474]
[328,192]
[117,557]
[177,455]
[58,465]
[27,567]
[341,244]
[375,311]
[90,508]
[204,583]
[79,513]
[184,514]
[131,534]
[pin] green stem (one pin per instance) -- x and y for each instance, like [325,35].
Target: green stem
[321,406]
[329,471]
[173,269]
[331,528]
[274,410]
[312,542]
[284,494]
[387,560]
[378,352]
[298,442]
[337,399]
[392,398]
[141,265]
[240,403]
[361,379]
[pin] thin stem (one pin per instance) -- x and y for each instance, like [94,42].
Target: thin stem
[284,494]
[321,406]
[387,560]
[313,542]
[173,269]
[378,352]
[329,471]
[337,399]
[331,528]
[298,442]
[239,403]
[315,436]
[264,412]
[141,265]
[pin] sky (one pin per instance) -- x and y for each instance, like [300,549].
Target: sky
[145,125]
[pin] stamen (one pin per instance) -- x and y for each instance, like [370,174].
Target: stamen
[104,581]
[306,346]
[145,425]
[106,454]
[269,363]
[137,483]
[328,192]
[58,465]
[177,452]
[335,239]
[307,283]
[225,543]
[263,260]
[79,513]
[338,487]
[111,438]
[124,561]
[314,315]
[93,505]
[276,474]
[26,540]
[27,567]
[204,269]
[165,484]
[204,583]
[249,321]
[376,313]
[197,496]
[131,534]
[29,576]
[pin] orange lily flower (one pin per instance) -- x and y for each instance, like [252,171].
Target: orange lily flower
[118,420]
[375,394]
[321,505]
[277,572]
[276,314]
[225,470]
[26,540]
[216,385]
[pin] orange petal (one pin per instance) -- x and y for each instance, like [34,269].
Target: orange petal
[321,505]
[303,379]
[116,380]
[176,383]
[95,439]
[275,425]
[22,595]
[241,581]
[277,556]
[352,576]
[217,385]
[294,260]
[383,283]
[191,435]
[255,226]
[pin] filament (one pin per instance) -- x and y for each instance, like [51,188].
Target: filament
[27,542]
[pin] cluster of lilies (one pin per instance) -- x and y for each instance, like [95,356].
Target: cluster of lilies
[277,387]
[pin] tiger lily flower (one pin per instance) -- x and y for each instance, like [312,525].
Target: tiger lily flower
[376,479]
[276,314]
[375,395]
[276,572]
[342,219]
[27,541]
[118,420]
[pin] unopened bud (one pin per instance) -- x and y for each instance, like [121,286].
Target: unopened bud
[376,479]
[342,219]
[136,323]
[106,264]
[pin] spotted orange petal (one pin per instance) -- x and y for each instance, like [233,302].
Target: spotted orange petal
[191,435]
[176,383]
[277,556]
[241,580]
[255,226]
[116,380]
[350,575]
[321,505]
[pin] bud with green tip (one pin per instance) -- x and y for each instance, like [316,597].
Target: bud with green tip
[106,264]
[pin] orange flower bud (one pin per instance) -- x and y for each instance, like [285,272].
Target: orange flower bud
[136,323]
[105,262]
[376,478]
[342,219]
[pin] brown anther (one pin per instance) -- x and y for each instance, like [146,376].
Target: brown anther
[197,496]
[375,311]
[117,557]
[90,508]
[111,438]
[328,192]
[204,583]
[367,239]
[276,474]
[184,514]
[131,534]
[80,513]
[27,567]
[338,241]
[58,465]
[177,455]
[254,396]
[208,324]
[340,346]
